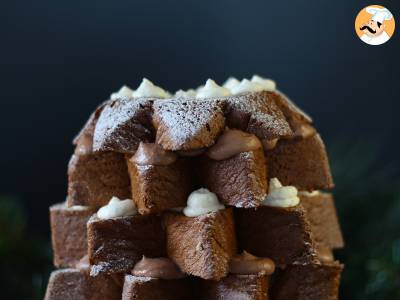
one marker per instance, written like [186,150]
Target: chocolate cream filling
[325,255]
[233,142]
[153,154]
[247,264]
[83,264]
[162,268]
[300,131]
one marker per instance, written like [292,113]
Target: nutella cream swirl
[247,264]
[85,145]
[83,264]
[153,154]
[269,144]
[233,142]
[325,255]
[304,131]
[162,268]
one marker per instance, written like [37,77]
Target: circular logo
[375,25]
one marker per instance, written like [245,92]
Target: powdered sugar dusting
[142,279]
[186,125]
[122,124]
[98,269]
[266,119]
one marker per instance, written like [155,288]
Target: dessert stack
[219,192]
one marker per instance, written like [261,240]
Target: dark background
[59,59]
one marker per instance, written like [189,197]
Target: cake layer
[321,213]
[254,287]
[308,282]
[257,113]
[94,178]
[68,234]
[123,124]
[148,288]
[301,162]
[234,168]
[238,181]
[156,188]
[201,246]
[294,115]
[73,284]
[282,234]
[188,125]
[116,245]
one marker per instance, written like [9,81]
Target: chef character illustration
[374,30]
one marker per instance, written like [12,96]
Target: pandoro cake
[219,192]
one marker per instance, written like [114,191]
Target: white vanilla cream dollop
[281,196]
[148,89]
[310,194]
[201,202]
[267,84]
[124,91]
[199,88]
[230,83]
[191,93]
[212,89]
[78,207]
[117,208]
[246,86]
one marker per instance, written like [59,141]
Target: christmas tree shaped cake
[214,193]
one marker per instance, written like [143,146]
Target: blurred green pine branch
[368,202]
[25,260]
